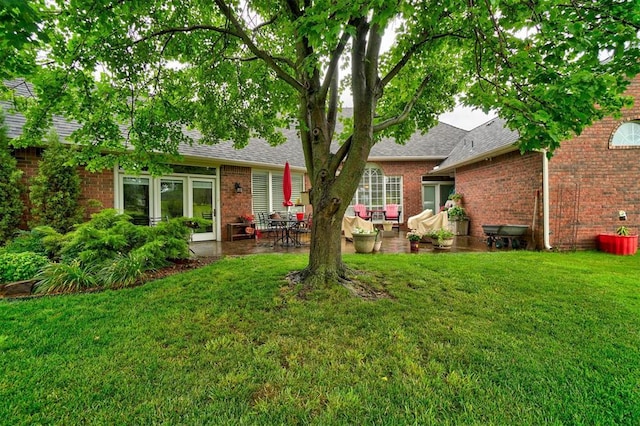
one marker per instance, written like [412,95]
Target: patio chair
[392,214]
[266,227]
[361,211]
[303,230]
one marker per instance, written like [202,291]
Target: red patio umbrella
[286,186]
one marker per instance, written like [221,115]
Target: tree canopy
[238,69]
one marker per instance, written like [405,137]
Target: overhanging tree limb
[407,108]
[268,59]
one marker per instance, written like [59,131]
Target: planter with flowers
[456,199]
[620,243]
[458,220]
[247,218]
[414,240]
[442,239]
[364,240]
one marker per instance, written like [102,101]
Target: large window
[136,199]
[376,190]
[266,188]
[627,134]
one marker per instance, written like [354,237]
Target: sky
[465,118]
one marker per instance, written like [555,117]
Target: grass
[473,338]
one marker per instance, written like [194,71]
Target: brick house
[590,178]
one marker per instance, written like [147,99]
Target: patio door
[434,195]
[202,202]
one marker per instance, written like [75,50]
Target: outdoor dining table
[286,234]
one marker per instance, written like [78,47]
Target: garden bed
[24,288]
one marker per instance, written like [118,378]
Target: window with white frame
[266,189]
[376,190]
[626,135]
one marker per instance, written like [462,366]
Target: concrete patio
[392,242]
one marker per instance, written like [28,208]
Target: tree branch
[336,54]
[411,52]
[407,108]
[192,28]
[268,60]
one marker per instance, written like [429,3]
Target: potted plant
[387,226]
[414,240]
[247,218]
[620,243]
[364,240]
[458,220]
[442,238]
[456,198]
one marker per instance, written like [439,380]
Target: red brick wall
[591,182]
[95,186]
[588,184]
[503,190]
[232,204]
[411,172]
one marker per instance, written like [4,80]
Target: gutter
[545,199]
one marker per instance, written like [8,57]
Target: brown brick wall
[411,172]
[232,204]
[591,182]
[502,190]
[95,186]
[588,183]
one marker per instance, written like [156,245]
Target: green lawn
[473,338]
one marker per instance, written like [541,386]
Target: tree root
[306,283]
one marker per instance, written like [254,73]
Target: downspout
[545,199]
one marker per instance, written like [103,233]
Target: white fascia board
[476,158]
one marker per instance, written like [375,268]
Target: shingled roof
[443,142]
[489,139]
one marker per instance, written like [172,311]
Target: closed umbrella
[286,186]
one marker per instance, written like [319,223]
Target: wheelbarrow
[504,235]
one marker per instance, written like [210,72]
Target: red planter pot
[622,245]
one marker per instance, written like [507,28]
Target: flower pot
[444,244]
[459,227]
[622,245]
[377,245]
[414,246]
[363,243]
[388,227]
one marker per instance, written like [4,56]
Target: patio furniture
[361,211]
[426,222]
[349,223]
[392,214]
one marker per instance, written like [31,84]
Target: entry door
[202,206]
[435,195]
[429,198]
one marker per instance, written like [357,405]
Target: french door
[202,204]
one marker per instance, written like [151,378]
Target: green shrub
[20,266]
[55,191]
[65,278]
[124,270]
[38,240]
[11,205]
[106,235]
